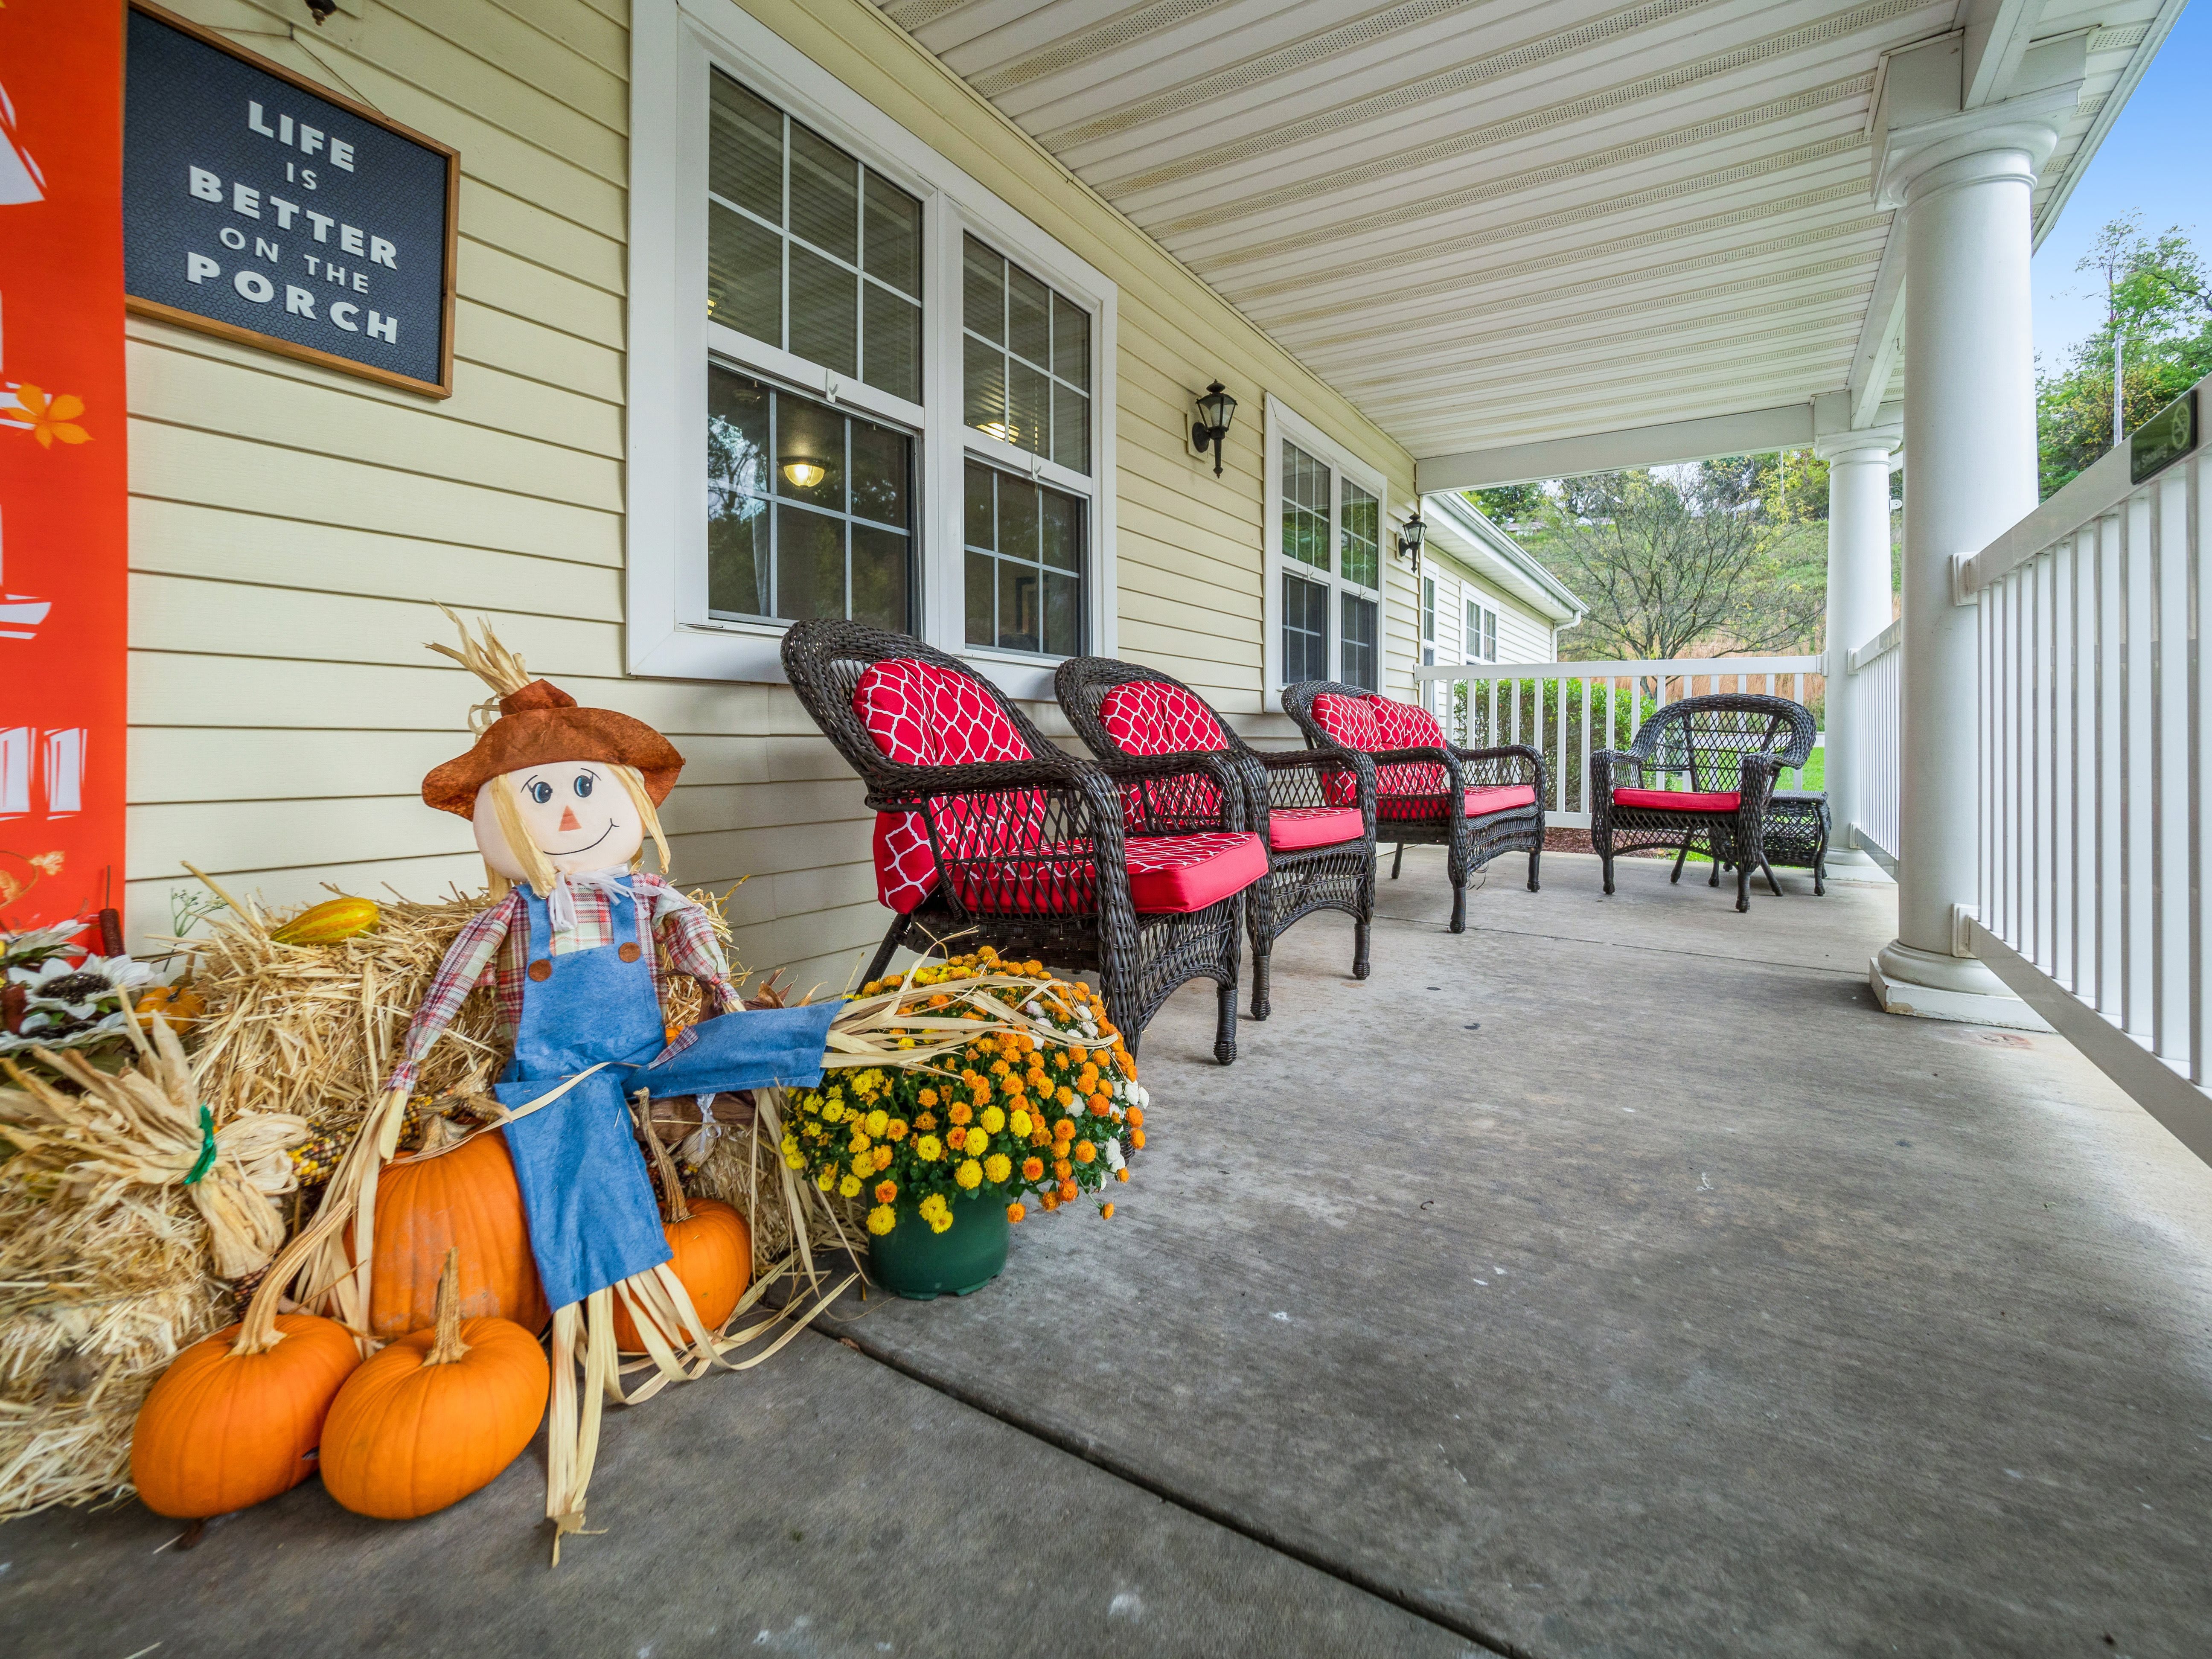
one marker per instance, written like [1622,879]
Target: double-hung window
[1325,545]
[1480,643]
[861,385]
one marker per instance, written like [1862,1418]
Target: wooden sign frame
[443,386]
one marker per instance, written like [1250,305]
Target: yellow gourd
[327,923]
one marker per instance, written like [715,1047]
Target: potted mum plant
[942,1156]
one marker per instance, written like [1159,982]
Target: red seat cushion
[1168,875]
[923,714]
[1292,828]
[1176,874]
[1679,800]
[1146,717]
[1503,799]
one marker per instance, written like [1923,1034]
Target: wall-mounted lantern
[1411,535]
[1215,410]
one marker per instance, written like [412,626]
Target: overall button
[541,971]
[628,953]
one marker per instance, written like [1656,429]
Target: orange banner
[63,526]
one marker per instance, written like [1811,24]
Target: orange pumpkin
[436,1415]
[714,1256]
[425,1206]
[237,1417]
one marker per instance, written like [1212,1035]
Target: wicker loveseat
[1477,802]
[1699,773]
[1317,805]
[987,834]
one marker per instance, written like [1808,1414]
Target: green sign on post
[2164,438]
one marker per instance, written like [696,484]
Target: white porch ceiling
[1498,223]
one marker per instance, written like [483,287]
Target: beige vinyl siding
[292,529]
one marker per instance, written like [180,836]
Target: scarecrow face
[577,811]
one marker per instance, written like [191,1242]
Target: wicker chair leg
[1679,859]
[1459,906]
[1771,881]
[1359,930]
[1224,1029]
[1820,869]
[1260,1006]
[1536,852]
[884,952]
[1742,884]
[1399,858]
[1606,859]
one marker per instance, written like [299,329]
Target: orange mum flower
[1136,1137]
[955,1138]
[1078,1053]
[1032,1168]
[1062,1168]
[1136,1117]
[1064,1130]
[959,1112]
[1084,1151]
[1106,1211]
[1068,1192]
[1015,1213]
[1100,1105]
[886,1191]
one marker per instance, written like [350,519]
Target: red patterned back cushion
[1146,717]
[924,716]
[1373,725]
[1350,720]
[1407,724]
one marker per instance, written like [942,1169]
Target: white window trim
[668,632]
[1285,422]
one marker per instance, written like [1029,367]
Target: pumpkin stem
[664,1165]
[448,1347]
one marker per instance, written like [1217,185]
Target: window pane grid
[1026,359]
[1360,521]
[1305,508]
[809,511]
[808,249]
[1360,619]
[1025,564]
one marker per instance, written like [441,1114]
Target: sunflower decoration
[1043,1104]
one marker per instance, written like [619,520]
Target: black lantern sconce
[1411,535]
[1215,410]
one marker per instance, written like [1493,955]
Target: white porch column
[1858,609]
[1961,181]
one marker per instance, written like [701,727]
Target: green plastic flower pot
[922,1266]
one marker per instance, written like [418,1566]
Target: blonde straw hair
[633,781]
[527,854]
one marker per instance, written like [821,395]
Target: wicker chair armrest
[1216,767]
[904,788]
[1299,777]
[1509,764]
[1755,785]
[1614,769]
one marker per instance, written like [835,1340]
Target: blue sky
[2150,162]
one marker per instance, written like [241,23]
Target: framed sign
[264,208]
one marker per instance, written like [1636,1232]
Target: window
[1326,534]
[1024,557]
[807,249]
[1481,643]
[1025,371]
[809,511]
[814,368]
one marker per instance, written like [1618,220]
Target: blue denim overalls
[592,1218]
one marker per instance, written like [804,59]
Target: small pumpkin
[329,922]
[711,1252]
[237,1417]
[178,1005]
[427,1205]
[437,1415]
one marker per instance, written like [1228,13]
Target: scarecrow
[563,800]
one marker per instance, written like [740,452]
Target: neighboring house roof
[1457,527]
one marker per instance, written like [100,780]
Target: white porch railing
[1566,710]
[1875,668]
[2094,731]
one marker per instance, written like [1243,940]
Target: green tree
[1690,560]
[2158,304]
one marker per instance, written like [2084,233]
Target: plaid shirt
[495,947]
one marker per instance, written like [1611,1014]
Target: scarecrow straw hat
[537,724]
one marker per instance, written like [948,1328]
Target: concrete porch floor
[1612,1279]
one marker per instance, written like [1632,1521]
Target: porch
[1614,1278]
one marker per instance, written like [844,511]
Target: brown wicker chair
[1321,851]
[985,834]
[1700,773]
[1477,802]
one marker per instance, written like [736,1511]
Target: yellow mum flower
[1019,1122]
[860,1142]
[997,1167]
[928,1150]
[993,1120]
[832,1110]
[826,1179]
[793,1161]
[849,1188]
[970,1175]
[927,1097]
[940,1223]
[864,1166]
[882,1220]
[879,1122]
[895,1130]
